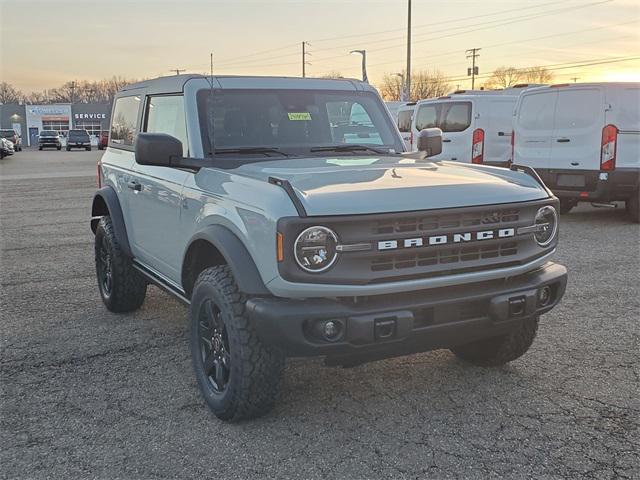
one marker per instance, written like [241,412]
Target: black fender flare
[109,197]
[236,256]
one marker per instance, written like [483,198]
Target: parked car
[49,138]
[287,239]
[404,120]
[583,139]
[477,124]
[13,137]
[6,147]
[78,138]
[103,140]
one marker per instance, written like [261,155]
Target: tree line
[100,91]
[424,84]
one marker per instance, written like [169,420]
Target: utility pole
[575,79]
[304,58]
[408,72]
[211,70]
[473,71]
[177,70]
[72,87]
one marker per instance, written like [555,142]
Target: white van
[476,124]
[583,139]
[404,119]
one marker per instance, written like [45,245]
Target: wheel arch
[105,202]
[217,245]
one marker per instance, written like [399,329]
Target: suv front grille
[444,256]
[430,223]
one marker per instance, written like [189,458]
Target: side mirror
[430,141]
[157,149]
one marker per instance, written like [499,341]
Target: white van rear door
[578,124]
[454,118]
[625,114]
[498,123]
[534,129]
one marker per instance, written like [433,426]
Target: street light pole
[364,64]
[408,72]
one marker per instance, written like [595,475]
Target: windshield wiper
[250,150]
[349,147]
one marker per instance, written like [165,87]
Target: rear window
[48,133]
[536,111]
[404,120]
[6,133]
[448,116]
[629,117]
[125,119]
[78,132]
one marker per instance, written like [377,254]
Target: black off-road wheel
[566,205]
[68,149]
[632,205]
[496,351]
[59,148]
[238,375]
[40,148]
[122,287]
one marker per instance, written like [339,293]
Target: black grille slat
[443,222]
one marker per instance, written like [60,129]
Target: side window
[125,118]
[165,114]
[427,117]
[457,117]
[536,111]
[404,120]
[578,108]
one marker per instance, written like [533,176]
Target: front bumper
[418,321]
[618,184]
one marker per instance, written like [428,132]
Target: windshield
[78,133]
[296,121]
[6,133]
[48,133]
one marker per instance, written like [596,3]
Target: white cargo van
[583,139]
[404,120]
[477,124]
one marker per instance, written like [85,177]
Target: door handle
[134,186]
[563,140]
[446,140]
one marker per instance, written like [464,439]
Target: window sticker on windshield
[299,116]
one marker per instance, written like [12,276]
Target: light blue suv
[285,213]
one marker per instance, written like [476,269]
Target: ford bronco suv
[285,213]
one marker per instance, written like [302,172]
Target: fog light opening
[544,296]
[329,330]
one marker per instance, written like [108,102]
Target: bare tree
[424,84]
[503,77]
[9,94]
[332,74]
[537,75]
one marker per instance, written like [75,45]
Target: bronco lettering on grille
[445,239]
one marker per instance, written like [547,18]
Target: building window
[93,127]
[60,126]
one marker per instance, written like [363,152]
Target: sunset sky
[45,43]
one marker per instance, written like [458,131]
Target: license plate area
[570,180]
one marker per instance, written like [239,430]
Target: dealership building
[29,120]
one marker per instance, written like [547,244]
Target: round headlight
[547,223]
[315,249]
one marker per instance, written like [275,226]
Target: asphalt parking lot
[90,394]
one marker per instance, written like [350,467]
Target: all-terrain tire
[125,289]
[59,148]
[252,369]
[68,149]
[39,148]
[632,206]
[496,351]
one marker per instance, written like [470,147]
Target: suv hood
[360,185]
